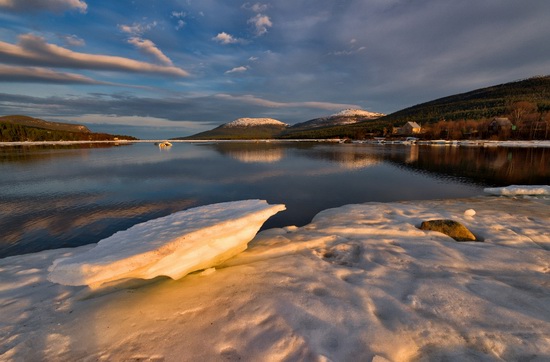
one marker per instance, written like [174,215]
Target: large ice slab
[514,190]
[172,246]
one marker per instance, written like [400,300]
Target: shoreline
[435,143]
[360,281]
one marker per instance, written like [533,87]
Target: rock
[451,228]
[469,212]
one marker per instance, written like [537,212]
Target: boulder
[451,228]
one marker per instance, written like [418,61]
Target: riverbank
[360,282]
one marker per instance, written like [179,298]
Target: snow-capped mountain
[245,128]
[347,116]
[357,113]
[254,122]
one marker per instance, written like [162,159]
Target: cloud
[250,99]
[35,51]
[72,40]
[257,7]
[180,24]
[149,48]
[47,5]
[10,73]
[178,14]
[261,23]
[136,28]
[240,69]
[350,51]
[224,38]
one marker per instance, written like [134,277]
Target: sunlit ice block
[173,246]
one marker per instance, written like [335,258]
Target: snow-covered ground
[359,283]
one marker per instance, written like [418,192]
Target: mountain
[481,103]
[40,123]
[478,105]
[243,128]
[19,128]
[347,116]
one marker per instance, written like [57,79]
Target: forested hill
[23,128]
[478,104]
[40,123]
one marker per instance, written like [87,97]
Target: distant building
[409,128]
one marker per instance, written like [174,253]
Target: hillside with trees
[525,103]
[23,128]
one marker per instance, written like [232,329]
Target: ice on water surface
[172,246]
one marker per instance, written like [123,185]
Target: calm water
[68,196]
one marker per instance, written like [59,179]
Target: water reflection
[497,166]
[38,153]
[253,153]
[51,198]
[347,156]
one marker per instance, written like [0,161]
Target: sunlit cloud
[261,23]
[9,73]
[225,38]
[240,69]
[48,5]
[34,50]
[149,48]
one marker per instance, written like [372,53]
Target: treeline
[478,104]
[10,132]
[527,121]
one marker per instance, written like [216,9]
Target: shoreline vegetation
[465,143]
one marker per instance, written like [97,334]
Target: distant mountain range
[17,128]
[479,104]
[262,128]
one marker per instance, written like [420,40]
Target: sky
[158,69]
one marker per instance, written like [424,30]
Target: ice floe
[172,246]
[359,283]
[515,190]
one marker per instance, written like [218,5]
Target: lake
[65,196]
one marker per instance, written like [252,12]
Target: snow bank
[515,190]
[171,246]
[359,283]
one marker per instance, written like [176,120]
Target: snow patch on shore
[518,190]
[360,282]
